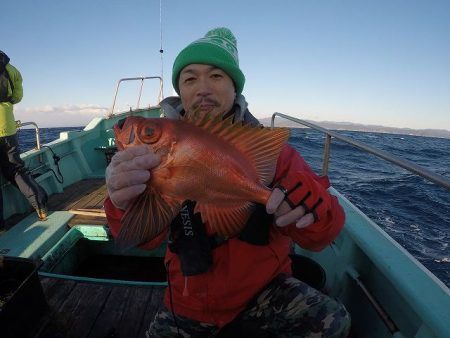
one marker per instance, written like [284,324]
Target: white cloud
[60,116]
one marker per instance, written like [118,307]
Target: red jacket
[240,270]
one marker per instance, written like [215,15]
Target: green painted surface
[32,238]
[416,301]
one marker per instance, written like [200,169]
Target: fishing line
[56,159]
[171,300]
[161,50]
[27,165]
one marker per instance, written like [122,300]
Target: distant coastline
[440,133]
[350,126]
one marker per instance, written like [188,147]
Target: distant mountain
[442,133]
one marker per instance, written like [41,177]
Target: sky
[384,62]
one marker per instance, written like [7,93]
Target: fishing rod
[161,50]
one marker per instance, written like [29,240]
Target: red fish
[224,167]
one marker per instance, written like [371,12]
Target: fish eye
[150,133]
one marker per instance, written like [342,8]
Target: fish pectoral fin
[146,218]
[227,221]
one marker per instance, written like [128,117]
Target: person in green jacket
[11,165]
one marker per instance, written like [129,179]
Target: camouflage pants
[287,307]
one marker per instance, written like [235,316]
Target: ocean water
[414,212]
[27,137]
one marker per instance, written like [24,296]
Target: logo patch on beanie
[222,43]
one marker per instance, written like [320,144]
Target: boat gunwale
[387,255]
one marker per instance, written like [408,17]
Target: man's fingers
[306,220]
[136,157]
[291,217]
[128,173]
[133,177]
[130,153]
[275,199]
[283,209]
[145,161]
[121,198]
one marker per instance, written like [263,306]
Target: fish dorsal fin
[225,221]
[261,145]
[146,218]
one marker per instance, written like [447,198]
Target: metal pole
[392,327]
[326,155]
[142,78]
[38,139]
[140,93]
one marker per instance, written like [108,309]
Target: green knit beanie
[217,48]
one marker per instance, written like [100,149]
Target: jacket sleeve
[327,227]
[16,78]
[114,216]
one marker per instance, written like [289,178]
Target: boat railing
[408,165]
[20,124]
[142,79]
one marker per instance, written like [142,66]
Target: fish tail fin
[261,145]
[226,221]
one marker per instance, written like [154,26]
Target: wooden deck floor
[82,194]
[86,194]
[82,309]
[79,309]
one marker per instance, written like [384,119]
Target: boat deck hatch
[89,253]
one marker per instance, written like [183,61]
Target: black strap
[4,60]
[216,241]
[257,229]
[189,241]
[4,80]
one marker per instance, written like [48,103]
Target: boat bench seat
[32,238]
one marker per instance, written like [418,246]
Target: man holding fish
[230,197]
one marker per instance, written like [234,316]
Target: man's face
[207,88]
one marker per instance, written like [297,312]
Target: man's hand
[128,173]
[298,199]
[284,214]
